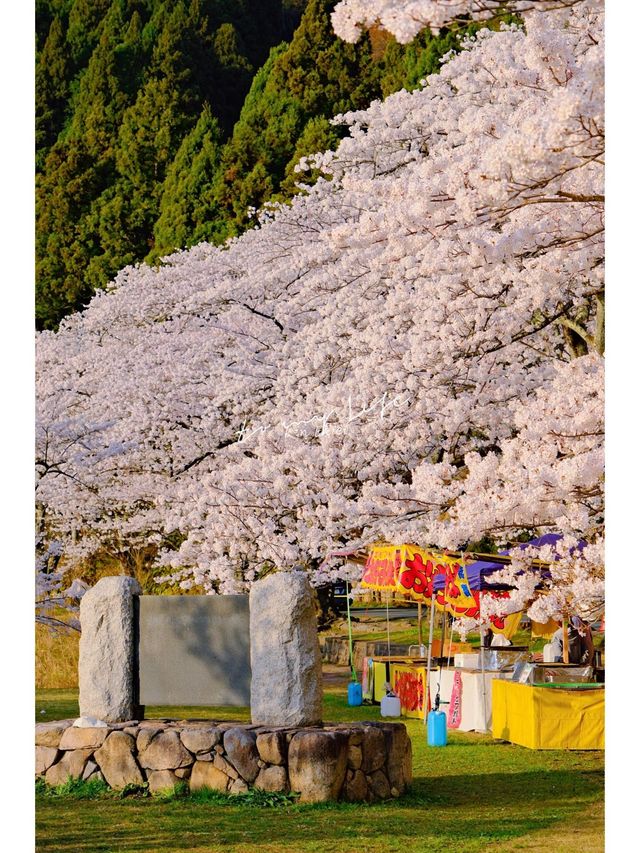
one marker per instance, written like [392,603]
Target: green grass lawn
[476,794]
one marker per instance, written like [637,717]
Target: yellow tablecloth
[548,717]
[379,679]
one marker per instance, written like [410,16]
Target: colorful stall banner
[455,703]
[412,571]
[456,594]
[409,684]
[419,574]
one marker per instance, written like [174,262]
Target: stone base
[346,761]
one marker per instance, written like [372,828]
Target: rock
[238,787]
[272,779]
[183,772]
[83,738]
[145,736]
[89,723]
[71,764]
[228,769]
[131,730]
[272,747]
[165,752]
[407,766]
[379,785]
[219,748]
[396,745]
[355,739]
[106,672]
[161,780]
[374,751]
[354,757]
[90,768]
[49,734]
[45,757]
[205,775]
[123,727]
[286,668]
[356,789]
[317,765]
[116,761]
[200,740]
[96,776]
[395,792]
[240,746]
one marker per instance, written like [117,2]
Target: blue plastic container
[354,694]
[436,728]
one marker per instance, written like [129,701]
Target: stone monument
[286,667]
[106,668]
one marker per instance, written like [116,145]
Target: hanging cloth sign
[455,703]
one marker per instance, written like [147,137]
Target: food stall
[496,689]
[466,688]
[549,715]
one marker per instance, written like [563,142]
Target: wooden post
[565,641]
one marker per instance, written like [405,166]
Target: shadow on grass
[462,813]
[518,789]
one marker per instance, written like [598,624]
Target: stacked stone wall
[352,761]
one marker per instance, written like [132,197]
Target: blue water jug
[354,693]
[437,726]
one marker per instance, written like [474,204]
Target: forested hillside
[159,125]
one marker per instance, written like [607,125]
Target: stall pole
[426,703]
[444,636]
[450,646]
[388,630]
[565,641]
[484,686]
[420,625]
[354,677]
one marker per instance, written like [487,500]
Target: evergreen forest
[160,125]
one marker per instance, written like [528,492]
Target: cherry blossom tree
[411,350]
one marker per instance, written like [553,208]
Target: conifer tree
[188,212]
[86,18]
[317,75]
[165,109]
[233,73]
[52,89]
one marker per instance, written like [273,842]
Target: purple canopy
[479,573]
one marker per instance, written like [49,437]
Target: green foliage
[233,73]
[52,89]
[315,77]
[77,789]
[188,210]
[154,131]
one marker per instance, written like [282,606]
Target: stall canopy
[421,575]
[480,572]
[455,584]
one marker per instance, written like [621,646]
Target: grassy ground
[474,795]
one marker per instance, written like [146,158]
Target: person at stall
[581,648]
[586,649]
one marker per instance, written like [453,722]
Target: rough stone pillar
[107,650]
[286,668]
